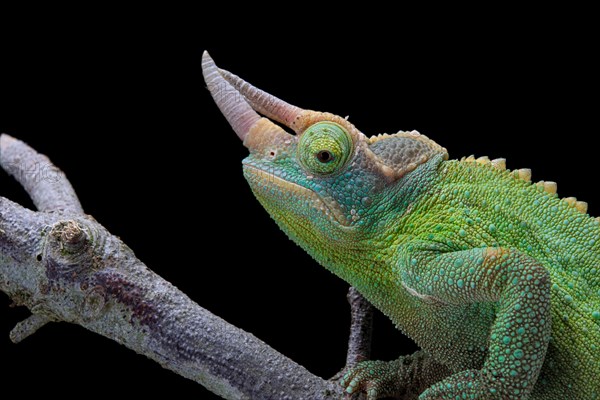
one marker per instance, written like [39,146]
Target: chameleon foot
[376,378]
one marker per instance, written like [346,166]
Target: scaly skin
[497,279]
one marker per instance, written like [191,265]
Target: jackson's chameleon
[496,278]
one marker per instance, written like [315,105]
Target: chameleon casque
[497,279]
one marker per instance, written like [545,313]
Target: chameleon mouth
[270,185]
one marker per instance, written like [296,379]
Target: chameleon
[495,277]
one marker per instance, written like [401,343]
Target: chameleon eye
[324,148]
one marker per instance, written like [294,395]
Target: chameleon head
[326,180]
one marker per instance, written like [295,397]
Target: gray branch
[361,328]
[64,266]
[361,333]
[47,185]
[28,327]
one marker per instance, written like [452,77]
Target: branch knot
[71,235]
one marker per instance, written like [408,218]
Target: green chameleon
[495,278]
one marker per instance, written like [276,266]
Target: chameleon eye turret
[324,148]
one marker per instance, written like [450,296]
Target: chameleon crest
[496,278]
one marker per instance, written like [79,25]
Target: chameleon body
[497,279]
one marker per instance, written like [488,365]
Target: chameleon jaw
[268,185]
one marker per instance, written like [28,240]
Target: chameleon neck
[364,256]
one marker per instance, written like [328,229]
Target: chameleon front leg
[519,336]
[403,378]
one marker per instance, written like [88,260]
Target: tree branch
[28,327]
[47,185]
[361,328]
[64,266]
[361,332]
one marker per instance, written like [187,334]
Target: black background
[117,104]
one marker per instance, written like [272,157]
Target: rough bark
[64,266]
[361,328]
[47,185]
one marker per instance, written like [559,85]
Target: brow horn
[234,107]
[261,101]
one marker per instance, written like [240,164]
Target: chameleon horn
[234,106]
[261,101]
